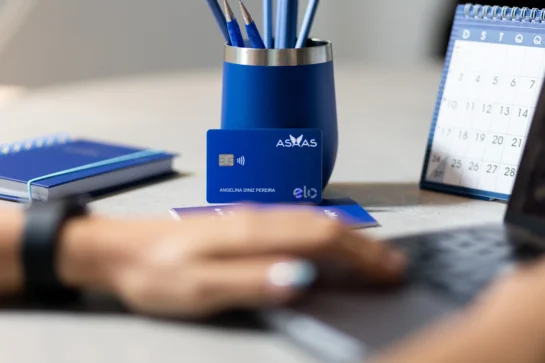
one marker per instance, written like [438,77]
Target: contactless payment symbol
[241,160]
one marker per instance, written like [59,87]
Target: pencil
[251,28]
[282,11]
[292,22]
[232,27]
[267,23]
[220,19]
[307,23]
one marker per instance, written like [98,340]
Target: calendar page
[493,77]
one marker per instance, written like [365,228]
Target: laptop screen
[527,202]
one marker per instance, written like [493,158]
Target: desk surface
[384,118]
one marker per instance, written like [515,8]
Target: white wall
[71,40]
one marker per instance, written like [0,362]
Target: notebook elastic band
[120,159]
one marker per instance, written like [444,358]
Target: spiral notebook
[492,80]
[56,166]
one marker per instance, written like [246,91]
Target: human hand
[505,324]
[199,267]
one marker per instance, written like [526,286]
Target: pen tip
[245,13]
[228,12]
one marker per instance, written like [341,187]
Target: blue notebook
[345,210]
[491,83]
[93,166]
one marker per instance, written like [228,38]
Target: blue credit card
[264,166]
[345,210]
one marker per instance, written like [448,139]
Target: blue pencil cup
[283,88]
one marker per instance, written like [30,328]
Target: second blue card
[264,166]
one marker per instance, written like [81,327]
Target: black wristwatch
[43,225]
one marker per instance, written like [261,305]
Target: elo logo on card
[305,193]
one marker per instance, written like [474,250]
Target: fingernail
[294,274]
[395,260]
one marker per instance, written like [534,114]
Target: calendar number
[445,132]
[470,106]
[505,110]
[461,78]
[517,142]
[523,112]
[478,79]
[435,158]
[462,135]
[495,81]
[514,82]
[438,174]
[473,166]
[456,164]
[491,169]
[452,104]
[480,137]
[532,83]
[487,108]
[497,140]
[510,172]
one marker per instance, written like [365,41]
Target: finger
[252,231]
[377,260]
[252,282]
[302,233]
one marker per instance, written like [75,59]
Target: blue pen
[307,23]
[220,19]
[282,11]
[267,23]
[232,26]
[251,28]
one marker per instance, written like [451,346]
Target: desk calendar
[493,76]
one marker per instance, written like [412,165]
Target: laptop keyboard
[460,262]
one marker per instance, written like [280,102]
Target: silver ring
[467,9]
[485,11]
[533,14]
[514,13]
[495,9]
[542,14]
[476,9]
[504,12]
[523,14]
[321,52]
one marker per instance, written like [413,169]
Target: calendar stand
[493,76]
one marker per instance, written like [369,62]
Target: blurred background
[62,41]
[47,42]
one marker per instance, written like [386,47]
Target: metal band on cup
[318,52]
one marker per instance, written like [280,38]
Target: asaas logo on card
[297,142]
[305,193]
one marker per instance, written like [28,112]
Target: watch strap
[44,223]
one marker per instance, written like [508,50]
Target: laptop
[448,270]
